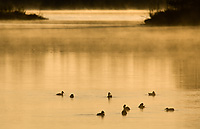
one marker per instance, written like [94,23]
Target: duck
[61,94]
[124,112]
[109,95]
[71,96]
[152,94]
[141,106]
[102,113]
[126,108]
[169,109]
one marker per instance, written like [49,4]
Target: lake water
[90,53]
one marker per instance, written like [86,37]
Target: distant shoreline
[19,15]
[177,13]
[173,18]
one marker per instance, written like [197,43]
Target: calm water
[89,53]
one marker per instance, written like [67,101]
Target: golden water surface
[90,58]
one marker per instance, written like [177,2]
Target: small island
[178,12]
[9,13]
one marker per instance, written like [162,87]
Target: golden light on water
[91,58]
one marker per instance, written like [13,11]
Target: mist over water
[90,57]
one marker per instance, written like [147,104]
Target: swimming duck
[71,96]
[102,113]
[61,94]
[169,109]
[141,106]
[124,112]
[109,95]
[126,108]
[152,94]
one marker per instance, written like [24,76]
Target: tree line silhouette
[177,12]
[79,4]
[168,12]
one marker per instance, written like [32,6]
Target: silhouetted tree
[82,4]
[181,12]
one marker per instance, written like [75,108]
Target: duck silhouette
[60,94]
[169,109]
[126,108]
[124,112]
[71,96]
[141,106]
[109,95]
[152,94]
[102,113]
